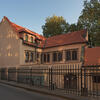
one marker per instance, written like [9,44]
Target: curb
[40,91]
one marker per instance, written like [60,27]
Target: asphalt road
[12,93]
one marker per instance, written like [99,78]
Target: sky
[32,13]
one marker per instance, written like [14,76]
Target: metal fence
[70,79]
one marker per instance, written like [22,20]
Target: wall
[9,45]
[24,47]
[64,48]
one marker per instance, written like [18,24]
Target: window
[41,58]
[26,37]
[26,56]
[54,56]
[68,55]
[37,55]
[44,57]
[31,39]
[59,56]
[31,57]
[96,79]
[74,55]
[71,54]
[48,57]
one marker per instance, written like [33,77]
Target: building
[91,67]
[22,47]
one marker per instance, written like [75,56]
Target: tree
[75,27]
[55,25]
[90,19]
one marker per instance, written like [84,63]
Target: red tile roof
[92,56]
[58,40]
[20,28]
[65,39]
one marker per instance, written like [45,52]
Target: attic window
[31,39]
[26,37]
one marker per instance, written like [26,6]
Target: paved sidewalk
[46,91]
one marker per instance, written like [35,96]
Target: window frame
[26,37]
[60,56]
[74,55]
[48,57]
[68,56]
[26,56]
[31,39]
[54,56]
[71,54]
[45,57]
[96,79]
[31,56]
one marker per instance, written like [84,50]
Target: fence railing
[71,79]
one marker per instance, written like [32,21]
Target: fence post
[16,74]
[7,72]
[50,79]
[81,83]
[31,83]
[0,73]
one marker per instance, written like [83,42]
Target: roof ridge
[22,27]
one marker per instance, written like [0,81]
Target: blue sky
[32,13]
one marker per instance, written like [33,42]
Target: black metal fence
[70,79]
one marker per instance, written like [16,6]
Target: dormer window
[31,39]
[26,37]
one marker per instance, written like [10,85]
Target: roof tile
[65,39]
[20,28]
[92,56]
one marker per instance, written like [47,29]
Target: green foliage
[90,19]
[55,25]
[75,27]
